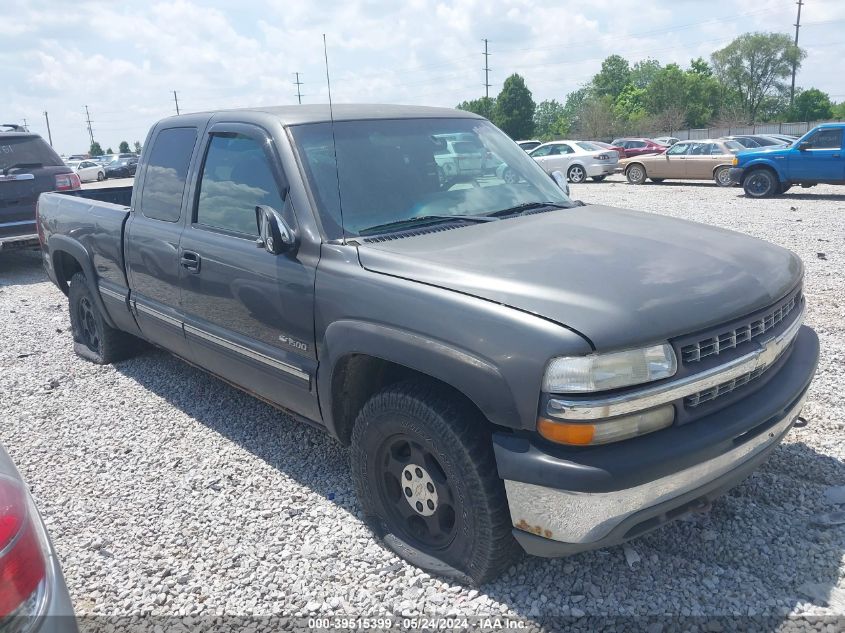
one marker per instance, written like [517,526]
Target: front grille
[701,397]
[731,339]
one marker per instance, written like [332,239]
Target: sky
[124,60]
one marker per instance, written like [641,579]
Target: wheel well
[358,377]
[759,167]
[65,266]
[718,167]
[629,165]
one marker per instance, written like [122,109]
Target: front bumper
[565,500]
[735,174]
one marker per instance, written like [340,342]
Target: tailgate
[18,194]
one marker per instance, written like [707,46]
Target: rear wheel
[576,174]
[93,338]
[635,174]
[423,466]
[760,183]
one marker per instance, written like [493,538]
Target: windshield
[397,169]
[590,147]
[30,151]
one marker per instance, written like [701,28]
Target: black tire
[760,183]
[722,176]
[599,178]
[636,174]
[657,180]
[576,174]
[466,533]
[784,188]
[93,338]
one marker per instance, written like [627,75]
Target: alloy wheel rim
[636,174]
[88,324]
[758,184]
[576,174]
[417,493]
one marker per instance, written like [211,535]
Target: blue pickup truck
[817,157]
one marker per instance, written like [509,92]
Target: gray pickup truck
[511,369]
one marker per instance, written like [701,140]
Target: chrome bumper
[583,518]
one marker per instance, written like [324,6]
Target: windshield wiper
[526,206]
[424,219]
[6,170]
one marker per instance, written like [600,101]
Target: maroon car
[616,148]
[639,146]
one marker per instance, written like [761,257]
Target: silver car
[578,160]
[33,595]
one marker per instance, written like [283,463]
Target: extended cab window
[826,139]
[236,177]
[167,170]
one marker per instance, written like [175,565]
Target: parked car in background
[817,157]
[80,157]
[87,170]
[105,159]
[708,159]
[33,594]
[620,151]
[577,160]
[28,167]
[639,146]
[459,159]
[122,168]
[668,141]
[751,141]
[529,145]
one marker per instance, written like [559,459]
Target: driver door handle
[190,261]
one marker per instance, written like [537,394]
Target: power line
[800,3]
[176,101]
[298,92]
[90,131]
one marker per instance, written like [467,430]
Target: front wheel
[576,174]
[425,474]
[722,176]
[635,174]
[760,183]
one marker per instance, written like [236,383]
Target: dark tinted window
[635,144]
[167,169]
[32,151]
[236,177]
[826,139]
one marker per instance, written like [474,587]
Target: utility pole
[486,80]
[800,3]
[298,92]
[90,131]
[49,134]
[176,100]
[25,126]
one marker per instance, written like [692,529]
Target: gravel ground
[169,492]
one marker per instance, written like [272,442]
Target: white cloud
[124,60]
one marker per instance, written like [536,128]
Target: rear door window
[826,139]
[166,173]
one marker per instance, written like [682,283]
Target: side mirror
[803,146]
[275,235]
[561,181]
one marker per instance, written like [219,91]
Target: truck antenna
[334,142]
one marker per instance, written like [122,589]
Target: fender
[65,244]
[777,166]
[475,377]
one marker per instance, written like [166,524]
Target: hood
[768,151]
[621,278]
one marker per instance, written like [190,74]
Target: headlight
[606,431]
[600,372]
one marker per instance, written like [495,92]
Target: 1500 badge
[292,342]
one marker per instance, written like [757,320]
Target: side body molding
[475,377]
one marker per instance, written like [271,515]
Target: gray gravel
[168,492]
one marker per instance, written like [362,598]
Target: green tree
[630,104]
[95,149]
[110,151]
[515,108]
[550,120]
[812,105]
[839,111]
[614,75]
[596,119]
[484,106]
[137,147]
[123,148]
[643,72]
[573,106]
[702,97]
[666,90]
[755,67]
[699,66]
